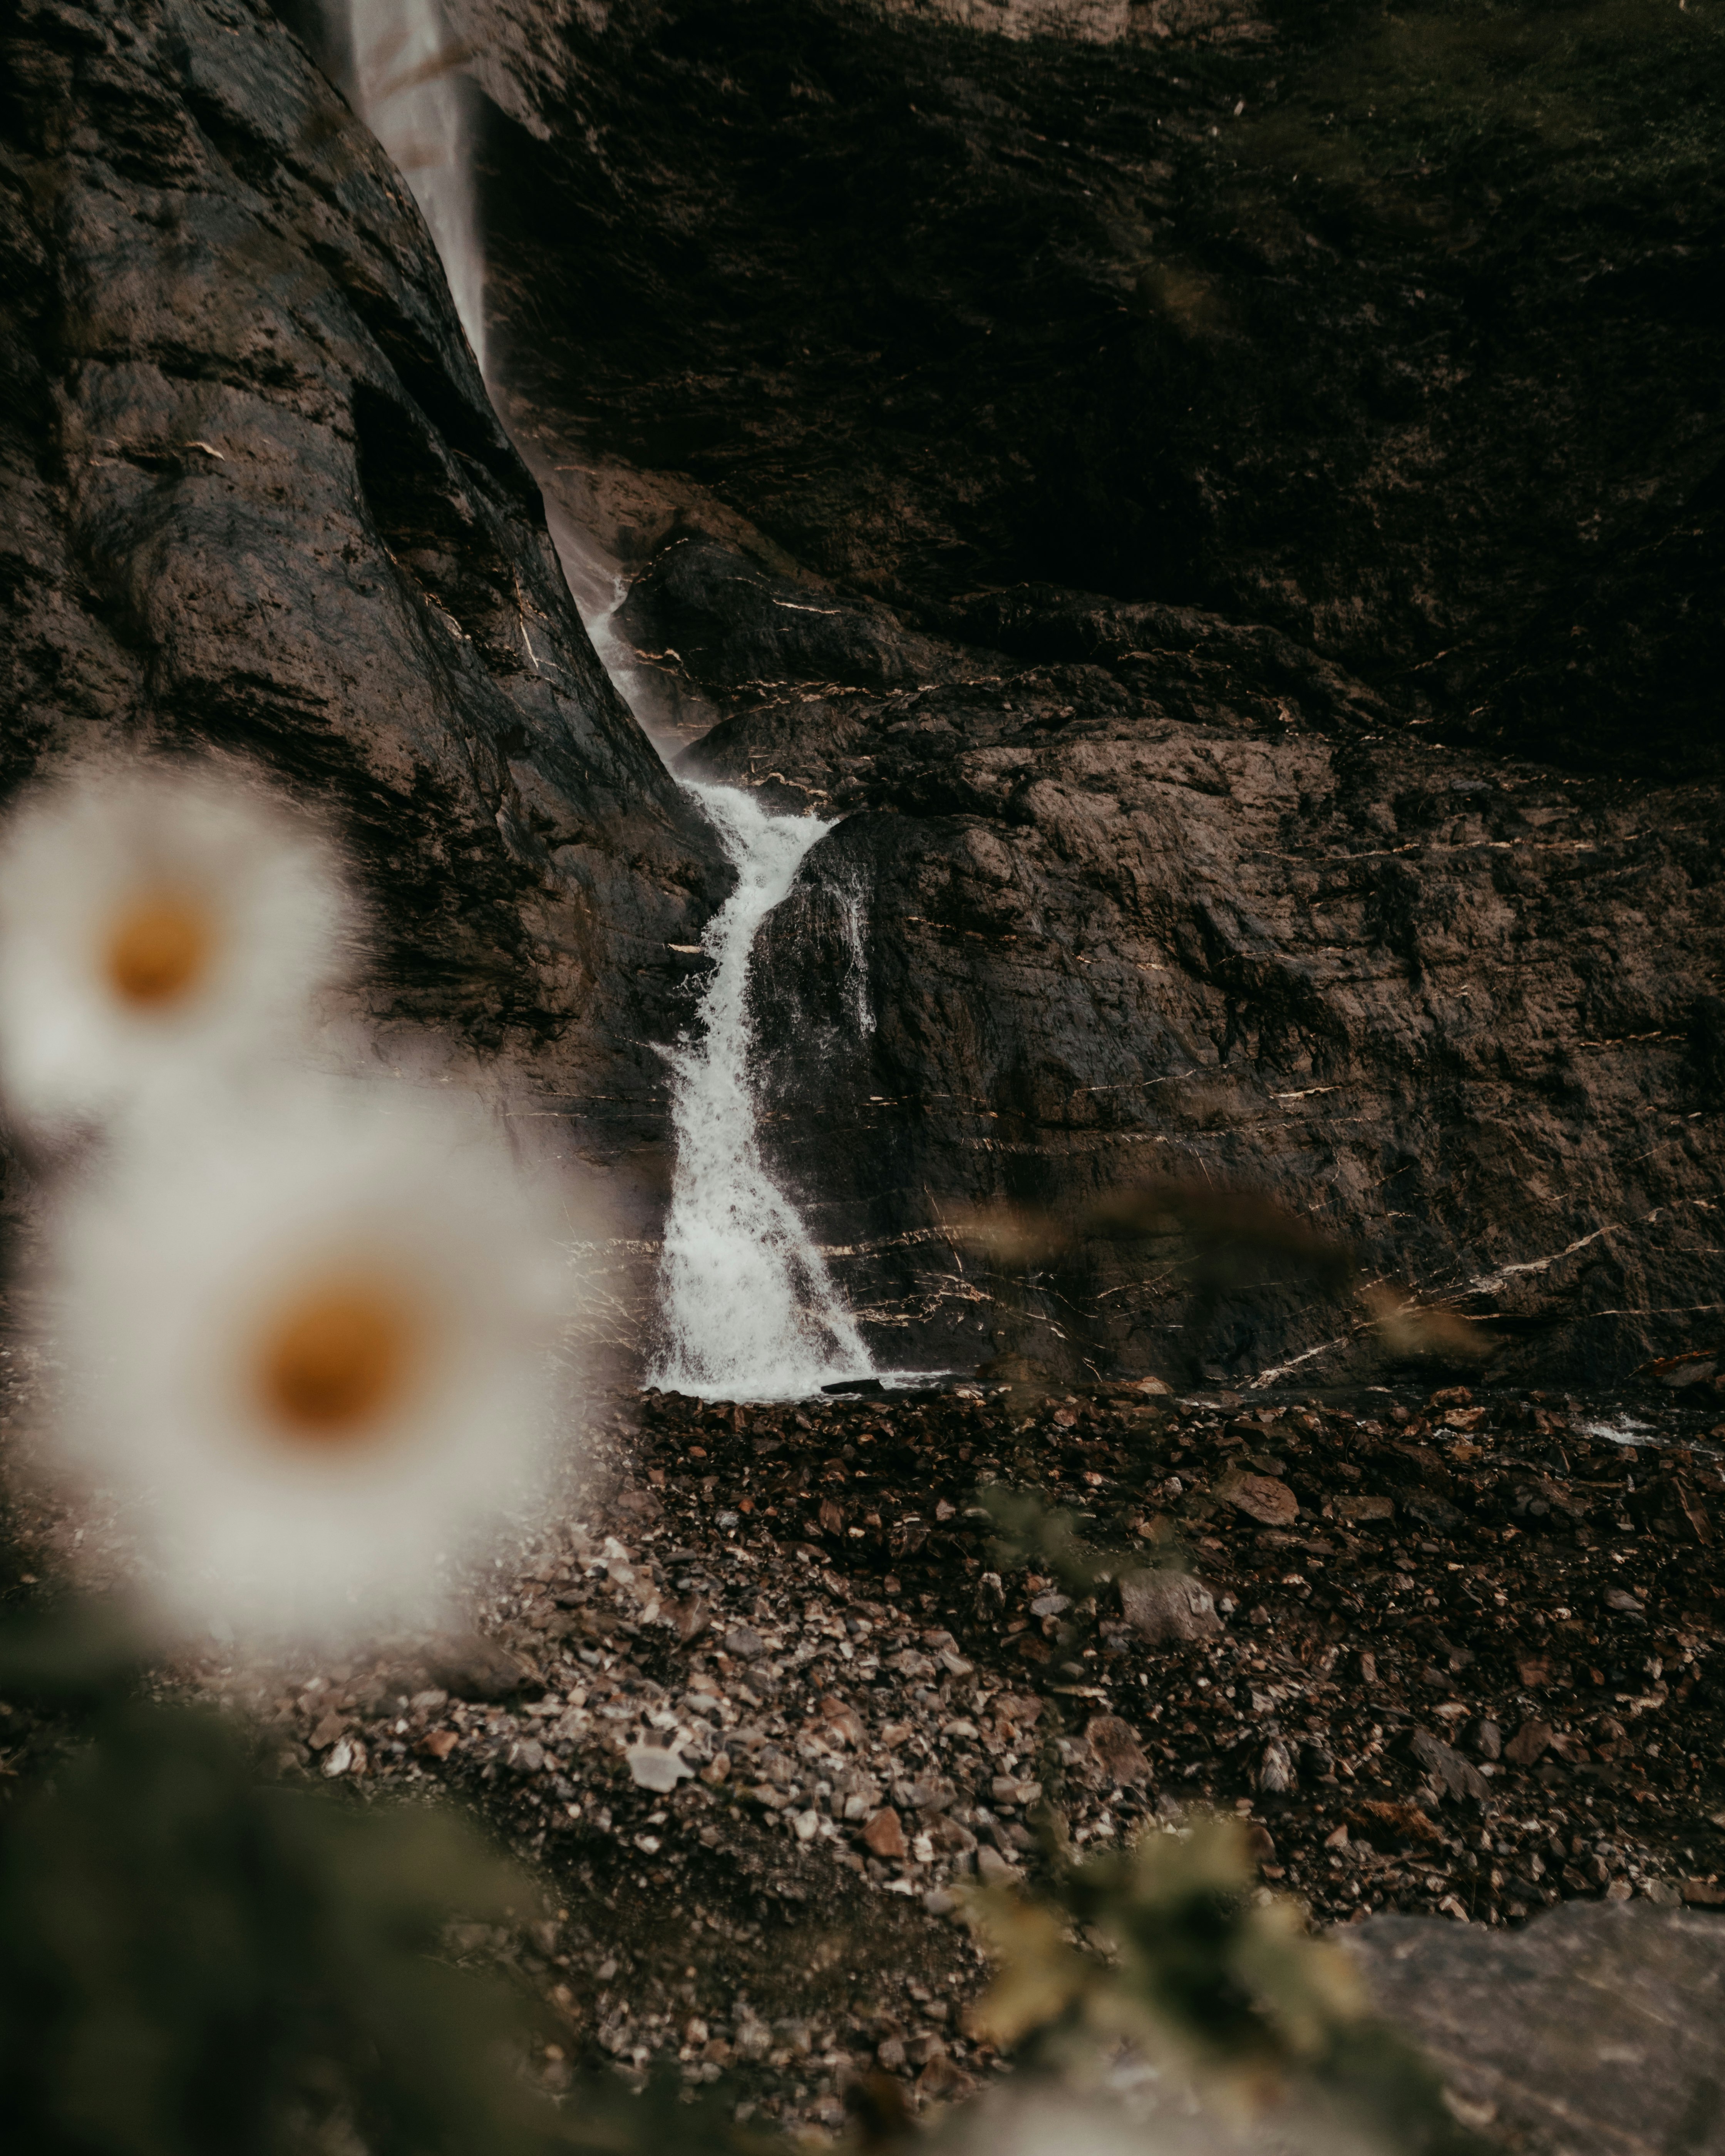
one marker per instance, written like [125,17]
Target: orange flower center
[159,949]
[335,1361]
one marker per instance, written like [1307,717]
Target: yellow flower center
[159,948]
[336,1360]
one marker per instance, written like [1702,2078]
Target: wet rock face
[1175,901]
[1208,408]
[256,500]
[1301,316]
[1145,488]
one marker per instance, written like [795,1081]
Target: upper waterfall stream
[410,96]
[751,1310]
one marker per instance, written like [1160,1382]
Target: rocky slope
[257,503]
[760,1716]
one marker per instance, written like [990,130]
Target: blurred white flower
[1137,2112]
[312,1350]
[155,927]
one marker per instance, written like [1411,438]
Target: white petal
[75,856]
[171,1263]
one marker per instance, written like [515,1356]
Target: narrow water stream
[410,96]
[750,1309]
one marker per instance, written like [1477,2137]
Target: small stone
[481,1669]
[1260,1498]
[1529,1741]
[1162,1606]
[745,1643]
[1487,1739]
[948,1838]
[939,1902]
[941,2081]
[1446,1768]
[1362,1511]
[1275,1769]
[437,1743]
[327,1731]
[527,1756]
[1617,1599]
[992,1867]
[1116,1750]
[843,1722]
[655,1767]
[884,1835]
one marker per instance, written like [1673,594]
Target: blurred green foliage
[1030,1532]
[197,1958]
[1167,1946]
[193,1958]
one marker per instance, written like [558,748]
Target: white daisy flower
[311,1352]
[155,927]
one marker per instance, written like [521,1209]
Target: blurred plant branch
[1167,1947]
[1224,1240]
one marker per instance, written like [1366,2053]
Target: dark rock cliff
[256,499]
[1230,521]
[1224,506]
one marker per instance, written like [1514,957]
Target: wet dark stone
[256,501]
[1263,677]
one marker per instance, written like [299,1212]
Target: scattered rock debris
[759,1718]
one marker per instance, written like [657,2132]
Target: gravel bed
[759,1716]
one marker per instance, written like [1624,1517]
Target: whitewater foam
[751,1310]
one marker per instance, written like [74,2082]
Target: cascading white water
[751,1310]
[409,96]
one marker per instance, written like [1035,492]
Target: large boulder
[1594,2032]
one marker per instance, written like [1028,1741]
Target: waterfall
[750,1308]
[409,95]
